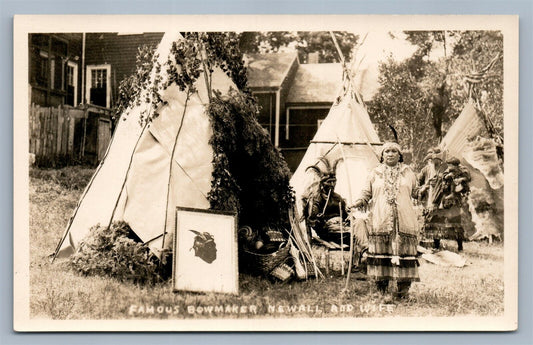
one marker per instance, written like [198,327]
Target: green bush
[116,252]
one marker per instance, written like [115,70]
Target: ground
[57,292]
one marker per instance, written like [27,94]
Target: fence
[66,131]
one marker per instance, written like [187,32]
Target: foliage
[400,103]
[223,49]
[304,42]
[423,95]
[426,41]
[467,52]
[189,58]
[250,175]
[473,51]
[117,253]
[131,89]
[58,161]
[70,178]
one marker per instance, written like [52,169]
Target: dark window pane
[59,47]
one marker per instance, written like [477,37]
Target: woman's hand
[358,204]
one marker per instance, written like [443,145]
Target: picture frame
[205,241]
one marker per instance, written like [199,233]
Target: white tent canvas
[346,133]
[487,176]
[132,182]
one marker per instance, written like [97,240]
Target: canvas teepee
[137,181]
[473,139]
[467,140]
[346,138]
[348,141]
[346,134]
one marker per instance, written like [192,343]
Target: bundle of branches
[250,175]
[117,252]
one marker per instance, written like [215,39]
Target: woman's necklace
[392,182]
[392,186]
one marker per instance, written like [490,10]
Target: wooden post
[31,124]
[44,125]
[71,129]
[59,130]
[53,131]
[82,146]
[37,130]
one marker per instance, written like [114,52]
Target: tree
[470,52]
[427,94]
[437,89]
[473,51]
[304,42]
[401,103]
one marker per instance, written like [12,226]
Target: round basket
[253,262]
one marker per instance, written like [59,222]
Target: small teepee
[346,142]
[346,139]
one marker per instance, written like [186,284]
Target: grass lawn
[57,292]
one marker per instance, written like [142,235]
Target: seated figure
[327,210]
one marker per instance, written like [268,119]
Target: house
[54,69]
[109,59]
[73,89]
[86,69]
[294,98]
[57,61]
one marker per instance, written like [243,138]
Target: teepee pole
[170,168]
[351,225]
[342,240]
[127,173]
[341,57]
[345,69]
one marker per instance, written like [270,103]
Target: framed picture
[205,251]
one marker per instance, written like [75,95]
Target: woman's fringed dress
[394,229]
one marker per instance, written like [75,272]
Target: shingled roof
[268,70]
[316,83]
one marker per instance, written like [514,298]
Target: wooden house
[294,98]
[85,71]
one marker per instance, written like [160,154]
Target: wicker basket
[282,273]
[259,263]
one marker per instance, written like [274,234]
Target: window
[267,112]
[41,63]
[72,83]
[48,61]
[98,85]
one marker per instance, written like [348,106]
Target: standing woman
[393,233]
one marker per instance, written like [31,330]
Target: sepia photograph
[266,173]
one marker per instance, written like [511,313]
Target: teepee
[150,169]
[346,139]
[348,142]
[467,140]
[473,140]
[346,135]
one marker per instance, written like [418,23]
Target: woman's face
[391,156]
